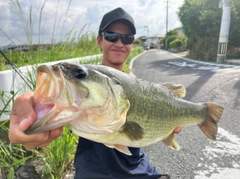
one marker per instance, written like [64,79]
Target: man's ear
[99,41]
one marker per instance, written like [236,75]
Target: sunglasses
[114,36]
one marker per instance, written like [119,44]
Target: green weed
[12,156]
[58,156]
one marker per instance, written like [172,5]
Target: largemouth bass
[108,106]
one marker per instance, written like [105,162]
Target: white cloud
[151,13]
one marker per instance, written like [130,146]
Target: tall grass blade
[24,78]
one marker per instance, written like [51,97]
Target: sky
[60,17]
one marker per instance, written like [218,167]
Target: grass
[75,43]
[12,156]
[6,98]
[57,158]
[55,52]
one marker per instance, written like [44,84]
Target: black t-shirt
[96,161]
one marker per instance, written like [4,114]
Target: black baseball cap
[117,15]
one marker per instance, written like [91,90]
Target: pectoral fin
[171,142]
[176,88]
[120,148]
[133,130]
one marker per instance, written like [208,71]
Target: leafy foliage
[175,44]
[6,98]
[234,37]
[201,21]
[174,40]
[12,156]
[58,156]
[2,64]
[84,46]
[171,36]
[137,42]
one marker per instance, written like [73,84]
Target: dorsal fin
[176,88]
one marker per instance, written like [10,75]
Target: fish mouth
[54,102]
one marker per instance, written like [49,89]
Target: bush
[137,42]
[175,44]
[184,40]
[2,64]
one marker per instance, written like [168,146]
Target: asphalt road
[199,157]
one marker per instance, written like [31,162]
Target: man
[92,159]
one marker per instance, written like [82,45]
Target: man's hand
[177,130]
[22,117]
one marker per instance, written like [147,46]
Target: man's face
[115,53]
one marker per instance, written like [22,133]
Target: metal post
[166,40]
[224,30]
[146,28]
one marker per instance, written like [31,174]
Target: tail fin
[209,126]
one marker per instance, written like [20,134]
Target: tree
[171,36]
[137,42]
[201,21]
[234,38]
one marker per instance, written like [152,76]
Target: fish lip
[49,81]
[52,87]
[53,76]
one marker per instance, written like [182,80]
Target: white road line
[183,64]
[202,68]
[206,63]
[226,145]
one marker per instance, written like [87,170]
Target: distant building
[180,30]
[151,39]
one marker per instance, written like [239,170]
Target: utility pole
[146,28]
[224,30]
[166,41]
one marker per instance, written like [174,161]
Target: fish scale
[116,109]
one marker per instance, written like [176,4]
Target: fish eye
[79,73]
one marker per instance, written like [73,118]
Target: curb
[131,63]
